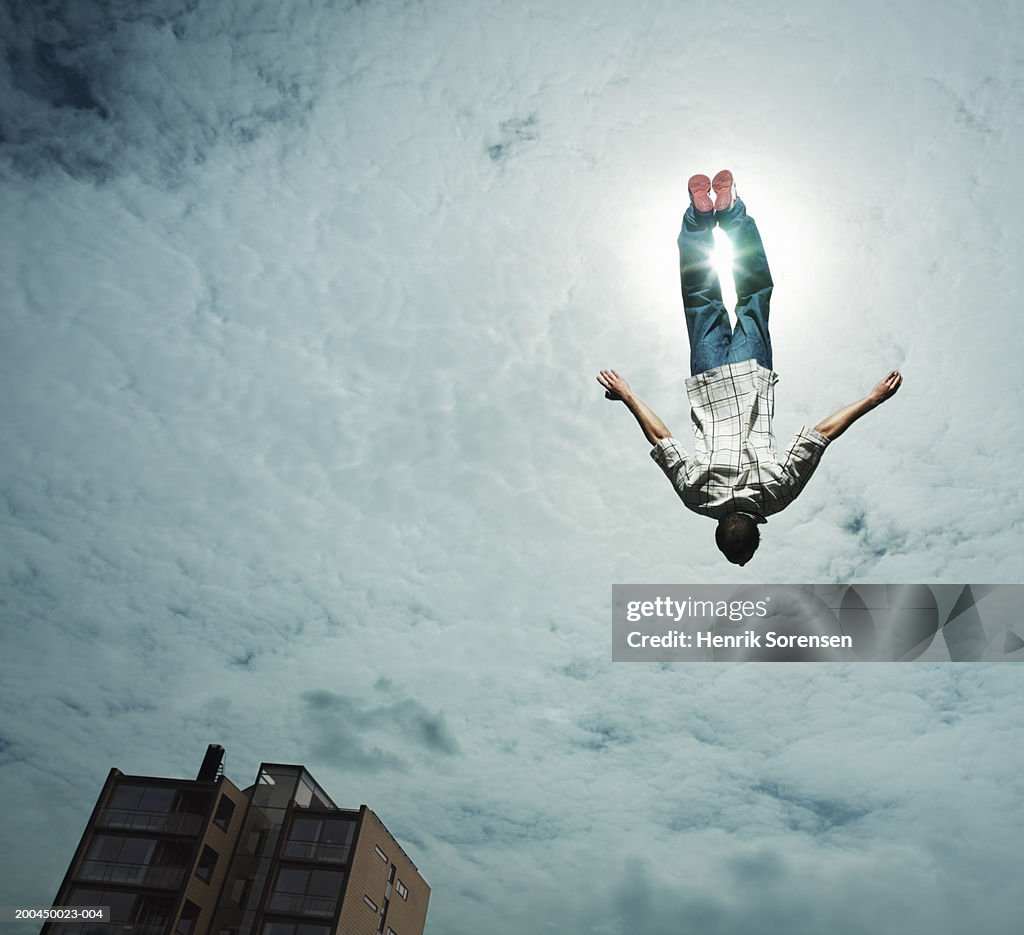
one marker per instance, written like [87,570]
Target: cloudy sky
[302,451]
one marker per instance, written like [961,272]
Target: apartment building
[204,857]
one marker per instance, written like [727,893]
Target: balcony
[319,906]
[109,928]
[169,822]
[318,851]
[139,928]
[105,871]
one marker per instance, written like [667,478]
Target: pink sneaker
[699,186]
[725,190]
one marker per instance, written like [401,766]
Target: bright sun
[651,220]
[722,260]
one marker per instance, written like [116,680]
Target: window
[369,902]
[308,892]
[122,905]
[381,854]
[153,913]
[290,880]
[137,850]
[208,860]
[240,889]
[85,928]
[305,829]
[276,789]
[278,928]
[403,890]
[325,839]
[106,847]
[144,798]
[154,808]
[225,811]
[187,921]
[337,831]
[325,883]
[292,928]
[116,859]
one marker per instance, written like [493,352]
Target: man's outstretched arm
[840,421]
[616,387]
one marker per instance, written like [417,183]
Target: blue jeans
[713,341]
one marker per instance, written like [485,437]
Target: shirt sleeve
[798,464]
[669,455]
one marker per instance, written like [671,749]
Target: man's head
[738,537]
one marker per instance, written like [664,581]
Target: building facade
[203,857]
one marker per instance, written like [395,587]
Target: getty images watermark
[817,623]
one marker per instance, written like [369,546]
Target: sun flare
[721,259]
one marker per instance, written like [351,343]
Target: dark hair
[737,536]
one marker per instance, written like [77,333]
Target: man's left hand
[615,386]
[886,387]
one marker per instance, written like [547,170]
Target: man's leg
[707,321]
[753,287]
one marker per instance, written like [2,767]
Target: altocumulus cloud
[302,452]
[96,89]
[339,723]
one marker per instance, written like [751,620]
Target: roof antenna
[213,764]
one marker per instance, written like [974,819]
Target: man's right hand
[615,387]
[840,421]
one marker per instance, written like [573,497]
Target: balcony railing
[171,822]
[317,850]
[323,907]
[109,928]
[141,928]
[106,871]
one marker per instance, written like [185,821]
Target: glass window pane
[81,896]
[192,803]
[157,800]
[305,829]
[292,881]
[121,905]
[337,832]
[187,921]
[278,928]
[238,889]
[126,797]
[275,789]
[325,883]
[225,809]
[207,863]
[137,850]
[303,795]
[105,847]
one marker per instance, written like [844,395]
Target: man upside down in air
[733,475]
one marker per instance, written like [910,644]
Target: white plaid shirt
[734,468]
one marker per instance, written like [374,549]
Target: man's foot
[699,186]
[725,191]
